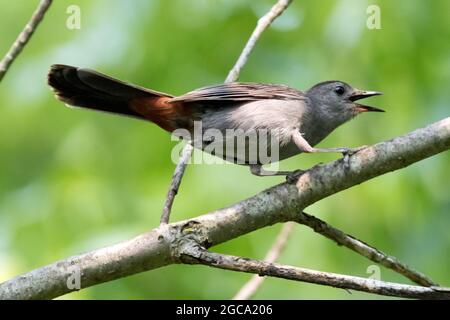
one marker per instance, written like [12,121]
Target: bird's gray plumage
[278,109]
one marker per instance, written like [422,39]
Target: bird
[288,121]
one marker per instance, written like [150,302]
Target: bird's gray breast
[252,132]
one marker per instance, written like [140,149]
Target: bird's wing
[237,91]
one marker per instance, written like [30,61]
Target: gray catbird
[295,121]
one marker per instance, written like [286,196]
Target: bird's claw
[348,152]
[294,176]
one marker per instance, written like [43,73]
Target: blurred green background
[73,180]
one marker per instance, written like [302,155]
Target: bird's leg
[346,152]
[259,171]
[304,146]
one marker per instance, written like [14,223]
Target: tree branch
[280,203]
[196,255]
[251,286]
[24,37]
[363,249]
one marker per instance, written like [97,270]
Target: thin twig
[233,75]
[363,249]
[250,288]
[341,238]
[194,254]
[176,181]
[24,37]
[261,26]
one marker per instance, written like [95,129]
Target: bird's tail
[90,89]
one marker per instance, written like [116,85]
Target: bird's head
[336,101]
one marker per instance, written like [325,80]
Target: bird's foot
[348,152]
[293,176]
[351,151]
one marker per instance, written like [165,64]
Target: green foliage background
[73,180]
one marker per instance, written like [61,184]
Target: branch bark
[280,203]
[24,37]
[196,255]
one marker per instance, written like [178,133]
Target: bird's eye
[339,90]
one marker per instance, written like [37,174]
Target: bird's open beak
[359,94]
